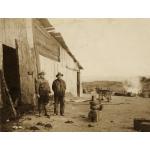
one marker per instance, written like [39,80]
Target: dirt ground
[117,115]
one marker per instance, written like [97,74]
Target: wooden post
[78,83]
[1,103]
[1,66]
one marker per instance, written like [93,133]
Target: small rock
[40,124]
[7,120]
[111,121]
[69,121]
[34,128]
[20,127]
[48,125]
[15,127]
[89,125]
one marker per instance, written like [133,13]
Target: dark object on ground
[34,128]
[40,124]
[89,125]
[145,126]
[69,121]
[138,123]
[48,125]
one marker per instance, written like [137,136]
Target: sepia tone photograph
[74,75]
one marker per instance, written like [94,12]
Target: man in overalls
[43,93]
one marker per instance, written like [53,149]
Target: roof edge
[51,30]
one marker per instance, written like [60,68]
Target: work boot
[46,114]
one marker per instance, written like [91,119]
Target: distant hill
[115,86]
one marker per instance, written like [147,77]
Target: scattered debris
[15,127]
[34,128]
[40,124]
[48,125]
[69,121]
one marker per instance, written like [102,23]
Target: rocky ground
[117,115]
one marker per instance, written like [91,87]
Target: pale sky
[108,49]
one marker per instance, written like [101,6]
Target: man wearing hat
[59,87]
[43,92]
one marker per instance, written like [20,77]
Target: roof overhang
[51,30]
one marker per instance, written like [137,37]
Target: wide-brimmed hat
[59,74]
[41,73]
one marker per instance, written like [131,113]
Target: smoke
[133,85]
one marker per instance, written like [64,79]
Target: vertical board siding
[44,43]
[52,67]
[37,50]
[15,29]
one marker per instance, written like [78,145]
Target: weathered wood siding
[37,50]
[66,65]
[16,30]
[69,68]
[52,58]
[44,43]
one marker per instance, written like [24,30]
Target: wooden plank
[2,78]
[44,43]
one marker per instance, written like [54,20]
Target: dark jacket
[43,87]
[59,87]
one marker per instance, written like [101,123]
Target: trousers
[42,104]
[59,100]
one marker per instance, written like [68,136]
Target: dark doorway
[11,72]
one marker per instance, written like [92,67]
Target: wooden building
[28,46]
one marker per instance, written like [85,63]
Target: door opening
[11,72]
